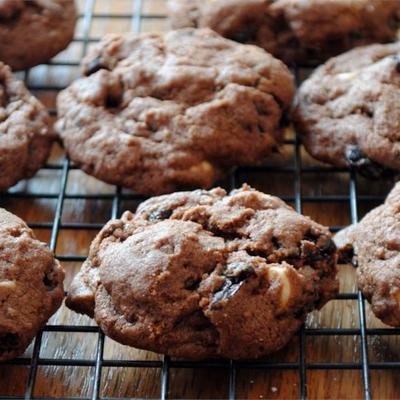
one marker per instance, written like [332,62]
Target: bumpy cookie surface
[31,285]
[376,245]
[33,31]
[348,111]
[293,30]
[158,112]
[207,274]
[25,137]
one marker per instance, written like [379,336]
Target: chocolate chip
[16,232]
[257,253]
[192,284]
[275,242]
[132,318]
[238,272]
[227,291]
[310,237]
[367,112]
[152,126]
[300,314]
[309,252]
[113,101]
[397,63]
[329,248]
[364,165]
[94,66]
[354,155]
[346,254]
[8,341]
[49,279]
[47,282]
[115,93]
[159,215]
[226,235]
[241,37]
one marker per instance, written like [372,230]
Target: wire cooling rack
[298,173]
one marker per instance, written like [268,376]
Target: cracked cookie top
[348,111]
[31,285]
[293,30]
[157,112]
[207,274]
[25,136]
[33,31]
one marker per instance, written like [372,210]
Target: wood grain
[59,381]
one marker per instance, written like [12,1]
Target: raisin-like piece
[227,291]
[236,274]
[159,215]
[364,165]
[192,284]
[50,279]
[329,248]
[94,66]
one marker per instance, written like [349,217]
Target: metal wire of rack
[296,171]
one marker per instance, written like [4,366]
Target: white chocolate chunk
[280,274]
[346,76]
[7,285]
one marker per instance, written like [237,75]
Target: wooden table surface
[67,381]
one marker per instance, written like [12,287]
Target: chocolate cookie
[292,30]
[206,274]
[158,112]
[348,111]
[376,245]
[33,31]
[25,136]
[31,285]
